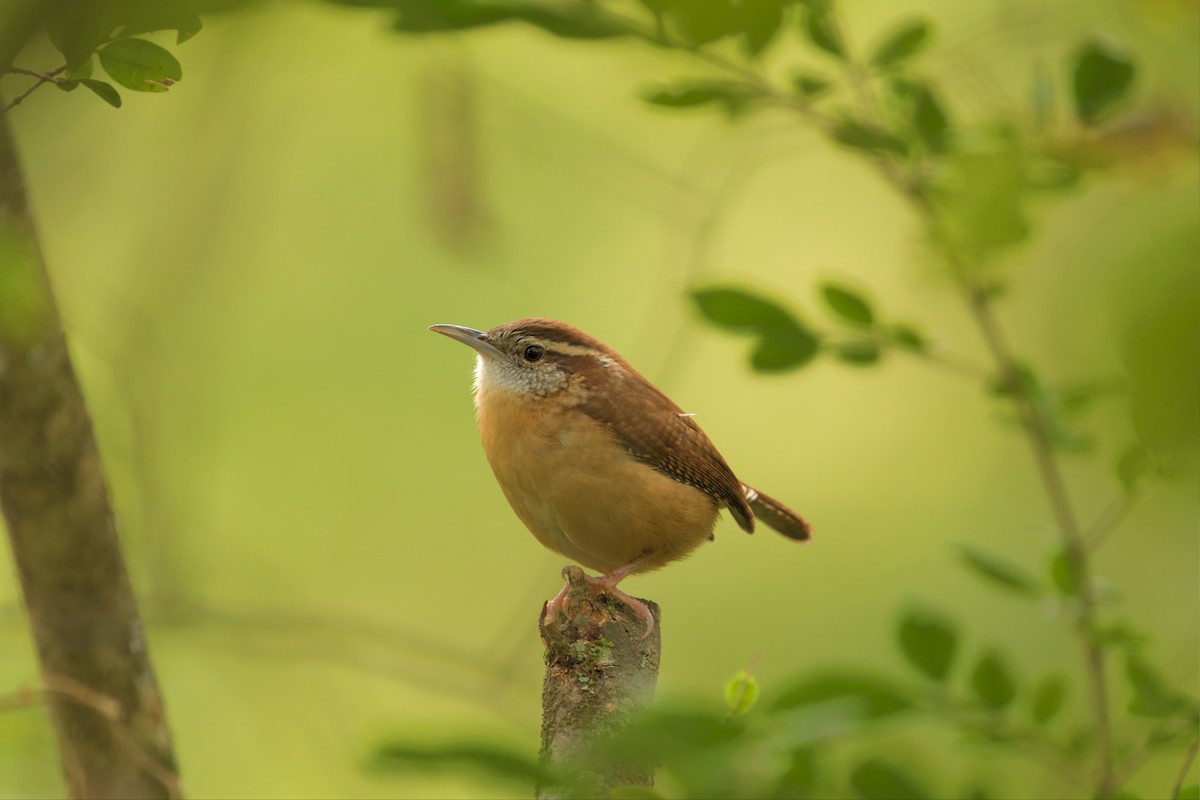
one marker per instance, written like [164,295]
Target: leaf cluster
[784,342]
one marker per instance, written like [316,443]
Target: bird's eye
[534,353]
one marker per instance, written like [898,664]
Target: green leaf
[187,28]
[1063,574]
[821,29]
[1048,698]
[983,197]
[741,692]
[810,85]
[574,21]
[909,338]
[166,18]
[1102,74]
[902,44]
[1120,634]
[1001,572]
[140,65]
[104,91]
[1142,677]
[869,138]
[1151,697]
[929,641]
[992,682]
[1189,793]
[800,779]
[84,70]
[929,120]
[876,697]
[662,735]
[421,16]
[1053,175]
[784,348]
[488,759]
[78,35]
[877,780]
[1161,351]
[731,95]
[848,304]
[759,21]
[858,354]
[1133,466]
[1022,380]
[740,311]
[704,21]
[784,344]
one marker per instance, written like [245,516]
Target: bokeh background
[247,264]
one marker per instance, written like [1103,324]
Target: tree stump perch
[601,670]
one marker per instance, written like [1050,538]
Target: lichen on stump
[601,670]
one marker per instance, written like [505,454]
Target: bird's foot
[580,584]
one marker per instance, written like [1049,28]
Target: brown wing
[660,435]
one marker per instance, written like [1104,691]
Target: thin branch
[42,78]
[1109,521]
[1188,760]
[1036,426]
[968,714]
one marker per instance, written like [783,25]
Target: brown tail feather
[776,515]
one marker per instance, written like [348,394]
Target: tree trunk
[601,670]
[106,708]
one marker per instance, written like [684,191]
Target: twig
[1109,521]
[1035,425]
[1187,766]
[950,361]
[107,708]
[42,77]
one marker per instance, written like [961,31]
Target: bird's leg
[607,585]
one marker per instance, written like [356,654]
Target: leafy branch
[130,61]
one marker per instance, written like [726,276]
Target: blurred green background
[246,267]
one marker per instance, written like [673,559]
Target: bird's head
[534,357]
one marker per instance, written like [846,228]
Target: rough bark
[102,695]
[601,670]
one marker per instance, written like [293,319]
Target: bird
[600,465]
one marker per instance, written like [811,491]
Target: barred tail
[776,515]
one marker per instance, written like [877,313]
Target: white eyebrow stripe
[687,413]
[562,348]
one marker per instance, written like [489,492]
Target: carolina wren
[598,463]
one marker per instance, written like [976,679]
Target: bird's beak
[470,337]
